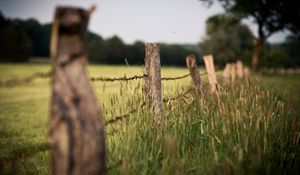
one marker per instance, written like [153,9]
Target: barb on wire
[121,117]
[135,77]
[18,81]
[178,96]
[175,78]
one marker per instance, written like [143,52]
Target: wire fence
[25,80]
[121,117]
[43,75]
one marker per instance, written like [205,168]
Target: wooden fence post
[246,71]
[196,80]
[226,73]
[233,73]
[210,68]
[77,131]
[239,69]
[154,80]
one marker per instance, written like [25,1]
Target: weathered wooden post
[226,73]
[233,73]
[153,81]
[246,71]
[196,80]
[239,69]
[210,68]
[77,131]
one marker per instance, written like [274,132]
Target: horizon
[166,24]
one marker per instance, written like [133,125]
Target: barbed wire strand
[175,78]
[18,81]
[178,96]
[121,117]
[135,77]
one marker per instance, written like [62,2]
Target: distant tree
[94,47]
[135,53]
[226,39]
[15,44]
[114,51]
[270,16]
[39,35]
[292,46]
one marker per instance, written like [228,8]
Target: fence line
[175,78]
[121,117]
[135,77]
[19,81]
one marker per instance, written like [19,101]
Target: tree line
[22,39]
[226,38]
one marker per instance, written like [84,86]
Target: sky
[168,21]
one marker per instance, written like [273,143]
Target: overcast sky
[170,21]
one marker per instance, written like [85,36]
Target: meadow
[250,128]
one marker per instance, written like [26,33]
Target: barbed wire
[178,96]
[121,117]
[175,78]
[135,77]
[18,81]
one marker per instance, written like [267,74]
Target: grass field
[252,128]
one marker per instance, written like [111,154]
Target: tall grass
[252,128]
[243,130]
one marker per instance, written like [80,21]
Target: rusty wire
[175,78]
[18,81]
[178,96]
[135,77]
[121,117]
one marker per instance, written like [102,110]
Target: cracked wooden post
[239,69]
[77,131]
[210,68]
[147,79]
[196,80]
[154,80]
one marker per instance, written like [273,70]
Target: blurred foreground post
[210,68]
[153,81]
[196,80]
[77,131]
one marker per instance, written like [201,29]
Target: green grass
[252,128]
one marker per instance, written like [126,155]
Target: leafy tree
[113,51]
[227,39]
[174,54]
[270,16]
[94,45]
[39,35]
[15,44]
[135,54]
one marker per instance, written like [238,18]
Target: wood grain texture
[152,56]
[210,68]
[194,71]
